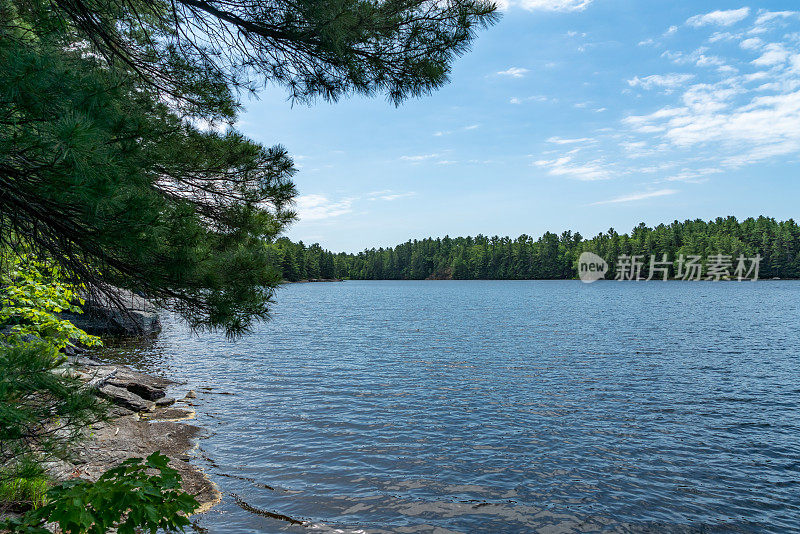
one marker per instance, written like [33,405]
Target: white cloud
[565,166]
[753,43]
[388,195]
[514,72]
[395,196]
[756,76]
[709,98]
[318,207]
[768,16]
[635,147]
[534,98]
[721,36]
[667,81]
[734,102]
[694,176]
[763,128]
[774,54]
[709,61]
[637,196]
[697,58]
[420,157]
[719,18]
[774,86]
[551,5]
[562,141]
[640,121]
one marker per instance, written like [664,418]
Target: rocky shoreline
[143,419]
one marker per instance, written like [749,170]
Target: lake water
[489,406]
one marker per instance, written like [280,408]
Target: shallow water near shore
[489,406]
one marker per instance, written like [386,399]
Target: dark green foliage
[99,175]
[129,498]
[111,159]
[314,48]
[298,262]
[43,411]
[554,257]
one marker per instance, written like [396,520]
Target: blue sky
[567,114]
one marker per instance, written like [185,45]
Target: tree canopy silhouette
[119,160]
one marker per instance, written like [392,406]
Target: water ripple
[503,407]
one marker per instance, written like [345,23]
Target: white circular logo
[591,267]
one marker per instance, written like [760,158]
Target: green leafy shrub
[127,498]
[44,412]
[32,293]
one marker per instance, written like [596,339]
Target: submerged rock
[165,401]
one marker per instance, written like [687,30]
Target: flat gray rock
[146,391]
[126,399]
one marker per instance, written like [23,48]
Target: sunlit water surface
[483,406]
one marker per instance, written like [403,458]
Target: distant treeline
[551,256]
